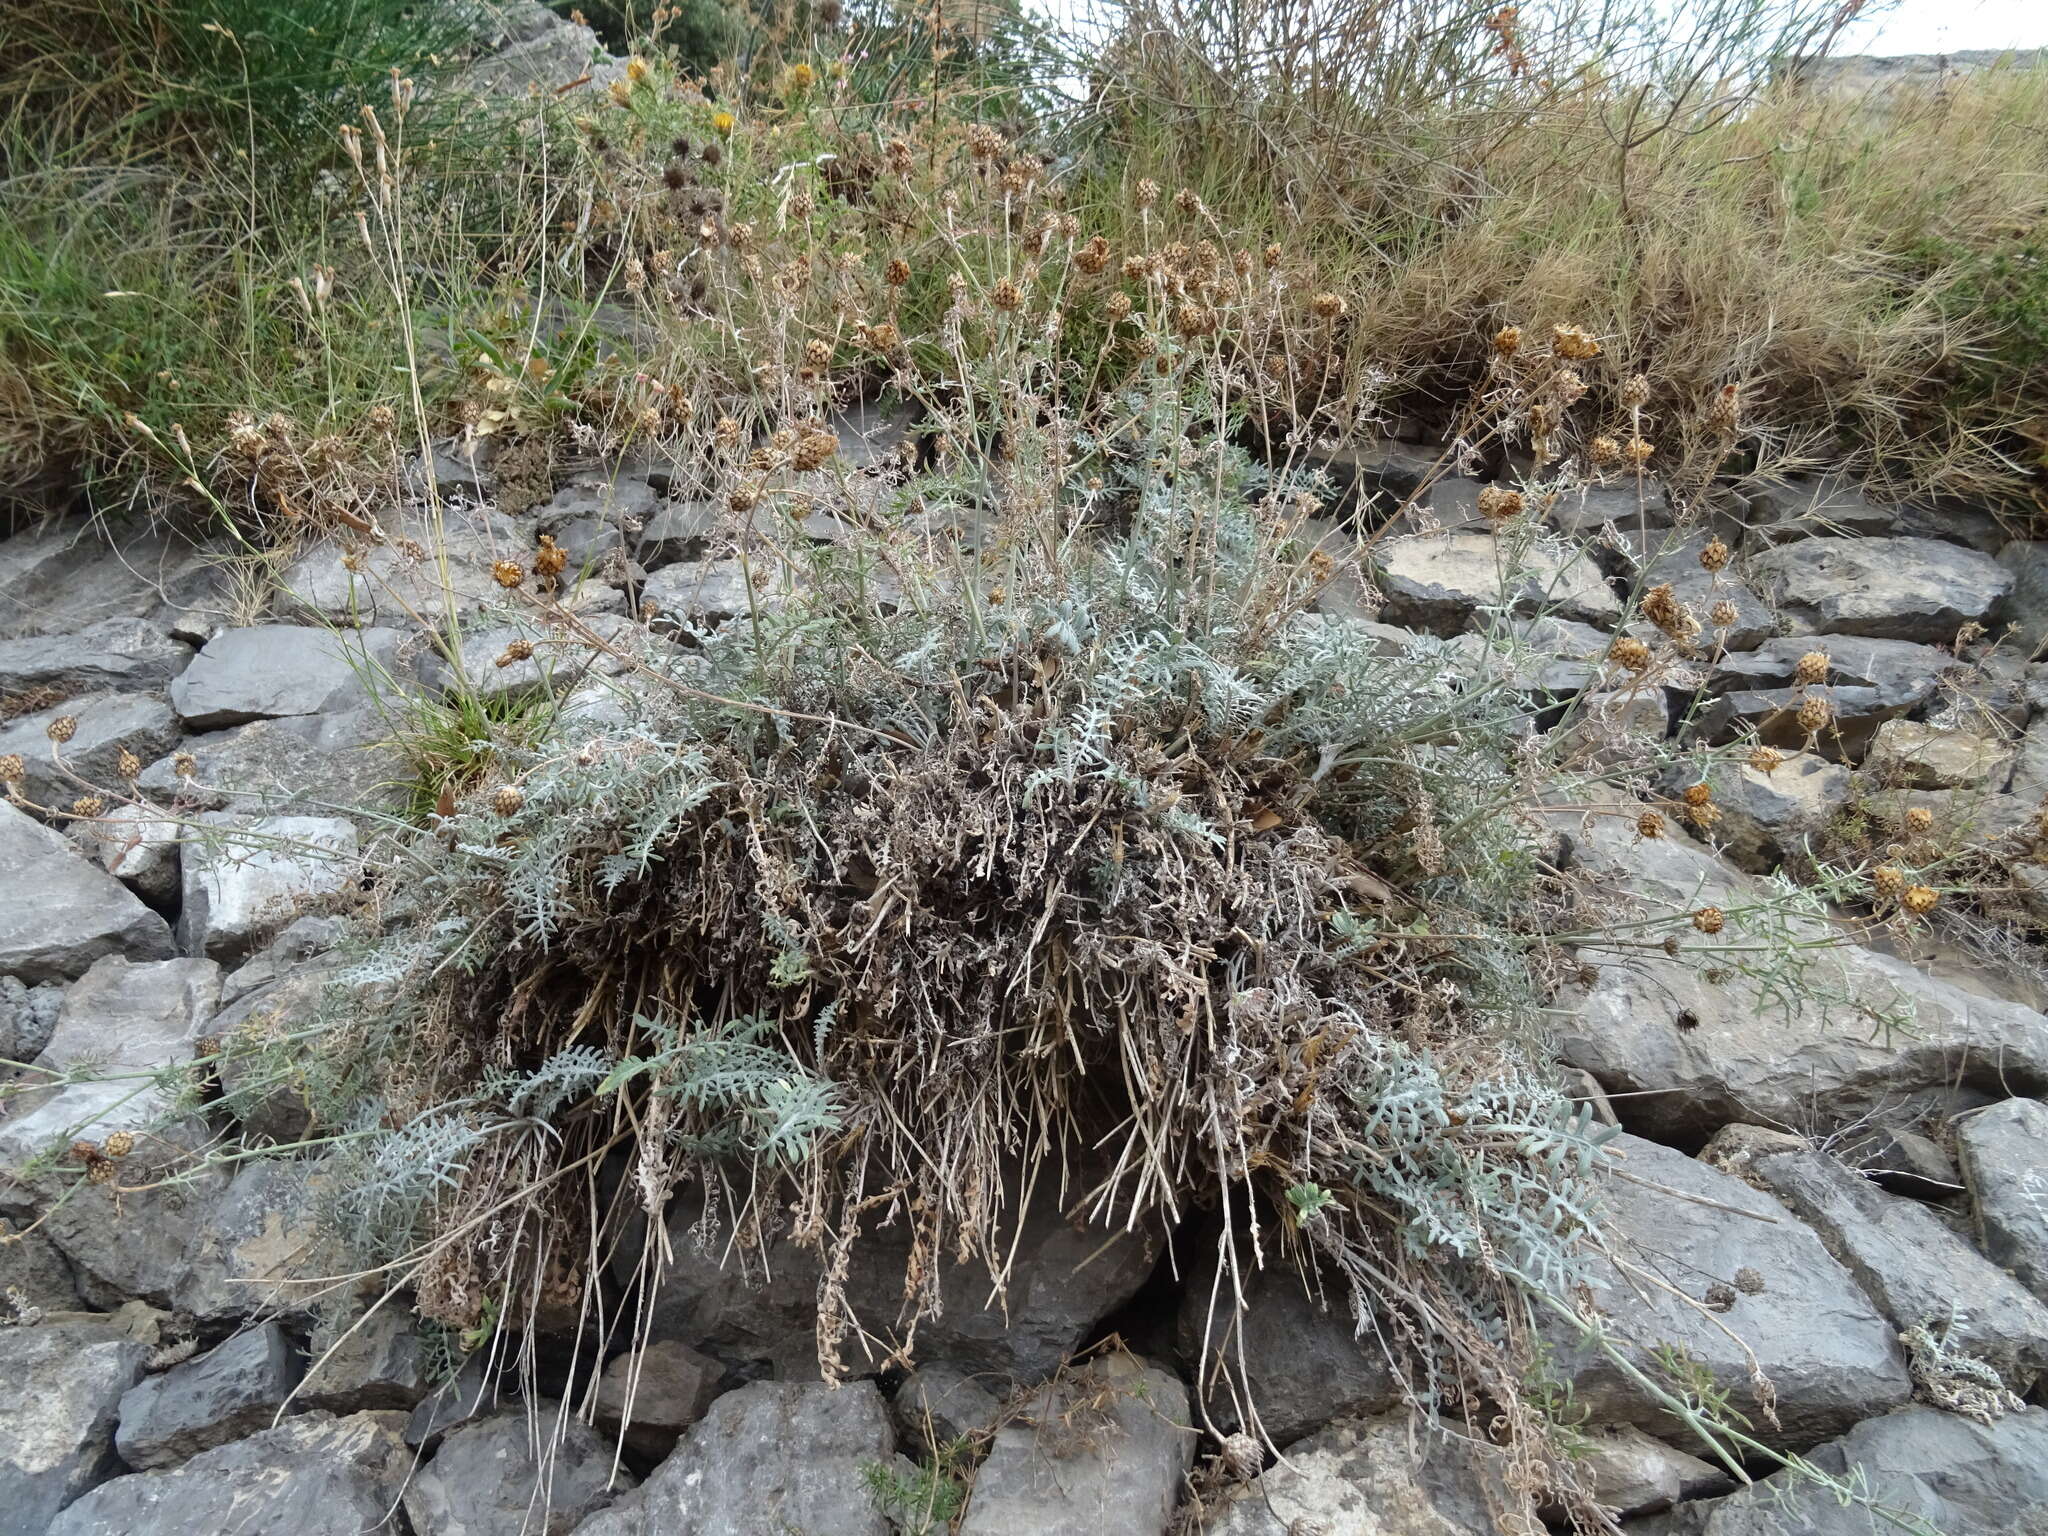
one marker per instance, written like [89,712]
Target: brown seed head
[517,651]
[1710,919]
[1811,669]
[1497,503]
[818,353]
[897,273]
[1637,451]
[1272,253]
[1507,341]
[128,765]
[550,560]
[62,729]
[12,769]
[1663,609]
[983,142]
[1919,821]
[1814,714]
[1698,794]
[184,765]
[1186,201]
[507,799]
[1117,308]
[86,807]
[1603,450]
[1573,344]
[119,1144]
[1093,256]
[1006,296]
[1766,759]
[1327,306]
[1724,615]
[508,573]
[1627,651]
[1635,394]
[1888,881]
[1920,899]
[1714,557]
[1147,192]
[1650,824]
[814,449]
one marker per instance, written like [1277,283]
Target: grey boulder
[651,1395]
[334,764]
[1769,819]
[1701,1262]
[1918,1271]
[1106,1447]
[231,1391]
[270,670]
[112,654]
[773,1456]
[247,877]
[1376,1477]
[2004,1153]
[60,1393]
[1959,1476]
[137,847]
[104,725]
[1440,582]
[1883,588]
[517,1473]
[313,1475]
[60,912]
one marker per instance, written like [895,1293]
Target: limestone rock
[271,670]
[66,578]
[1868,682]
[471,1396]
[298,941]
[1809,506]
[1439,582]
[1918,1271]
[559,661]
[678,530]
[1696,1047]
[1956,1475]
[772,1456]
[1920,756]
[1376,1477]
[246,877]
[395,582]
[738,1316]
[136,847]
[60,1393]
[1769,818]
[650,1396]
[367,1362]
[114,654]
[938,1403]
[2026,604]
[35,1278]
[313,1475]
[530,48]
[709,591]
[60,912]
[2004,1152]
[28,1017]
[1292,1350]
[312,764]
[107,724]
[486,1480]
[258,1083]
[1106,1447]
[1632,1474]
[1885,588]
[1675,562]
[1769,1282]
[230,1391]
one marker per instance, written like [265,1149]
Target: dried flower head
[1603,450]
[897,153]
[1147,192]
[1507,341]
[1627,651]
[1635,393]
[1327,306]
[1006,296]
[1724,411]
[62,729]
[550,560]
[1637,451]
[517,651]
[712,153]
[507,799]
[1766,759]
[1567,387]
[818,353]
[1698,794]
[1920,899]
[814,449]
[1118,308]
[12,769]
[1887,880]
[1814,714]
[1811,669]
[984,142]
[1919,821]
[1497,503]
[184,765]
[1192,320]
[1724,615]
[1573,344]
[1663,609]
[128,765]
[1093,256]
[119,1144]
[1650,824]
[675,178]
[727,432]
[1710,919]
[1714,556]
[86,807]
[884,337]
[508,573]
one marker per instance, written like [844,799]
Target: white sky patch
[1948,26]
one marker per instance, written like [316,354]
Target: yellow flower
[802,77]
[721,124]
